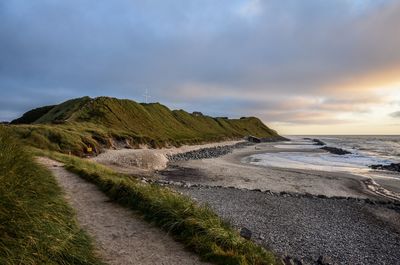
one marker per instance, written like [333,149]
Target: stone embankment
[332,150]
[205,153]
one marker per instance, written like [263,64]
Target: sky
[302,67]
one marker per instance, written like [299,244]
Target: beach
[306,215]
[236,170]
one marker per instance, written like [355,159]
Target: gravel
[346,231]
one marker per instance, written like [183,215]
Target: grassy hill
[103,122]
[32,115]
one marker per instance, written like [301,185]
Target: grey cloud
[53,51]
[395,114]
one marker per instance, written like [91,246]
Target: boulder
[392,167]
[324,260]
[335,151]
[253,139]
[245,233]
[318,142]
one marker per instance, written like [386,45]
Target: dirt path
[121,236]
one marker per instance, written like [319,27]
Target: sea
[365,151]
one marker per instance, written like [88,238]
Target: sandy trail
[121,237]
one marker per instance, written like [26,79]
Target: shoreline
[235,170]
[228,164]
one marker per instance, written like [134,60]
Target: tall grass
[36,225]
[198,227]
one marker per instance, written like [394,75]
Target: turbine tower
[146,96]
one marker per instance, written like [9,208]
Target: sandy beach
[235,170]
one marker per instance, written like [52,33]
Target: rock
[324,260]
[197,113]
[292,261]
[288,261]
[302,262]
[245,233]
[318,142]
[335,151]
[274,139]
[253,139]
[392,167]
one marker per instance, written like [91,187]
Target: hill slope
[75,124]
[32,115]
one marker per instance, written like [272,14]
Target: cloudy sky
[303,67]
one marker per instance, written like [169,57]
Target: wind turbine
[146,96]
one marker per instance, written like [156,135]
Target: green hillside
[32,115]
[103,122]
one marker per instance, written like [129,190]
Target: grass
[40,216]
[32,115]
[36,225]
[198,227]
[76,124]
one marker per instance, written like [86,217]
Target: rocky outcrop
[253,139]
[317,142]
[332,150]
[392,167]
[257,140]
[335,151]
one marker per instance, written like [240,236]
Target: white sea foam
[316,161]
[366,151]
[297,146]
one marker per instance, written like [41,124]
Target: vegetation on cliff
[76,124]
